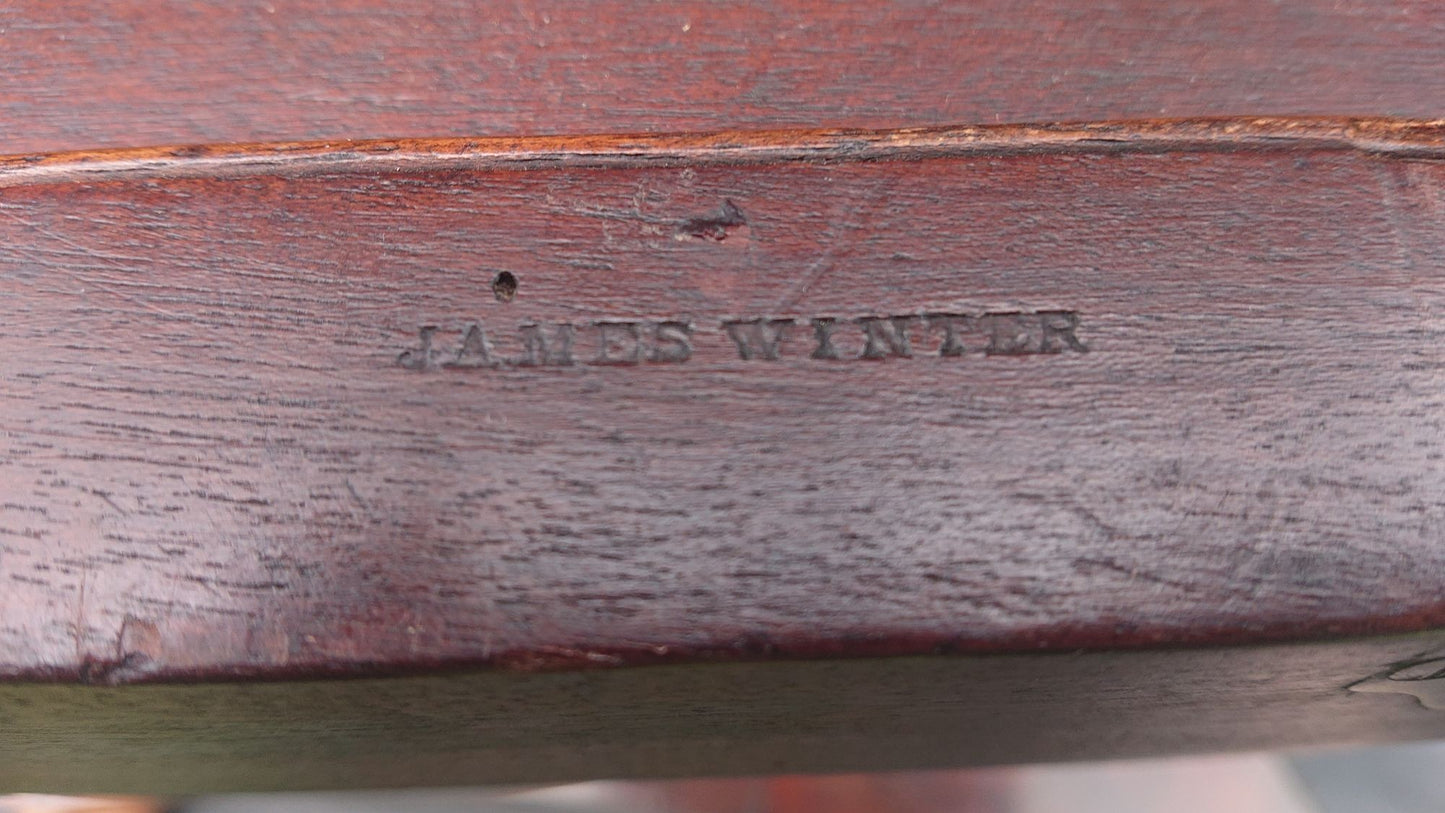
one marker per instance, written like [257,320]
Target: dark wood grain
[287,404]
[227,453]
[80,74]
[274,413]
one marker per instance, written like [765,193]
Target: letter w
[758,338]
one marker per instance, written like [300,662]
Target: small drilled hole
[505,286]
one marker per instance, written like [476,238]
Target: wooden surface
[715,719]
[287,403]
[77,75]
[270,418]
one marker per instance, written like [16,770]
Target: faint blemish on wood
[717,226]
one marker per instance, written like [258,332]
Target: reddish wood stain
[289,400]
[74,75]
[220,463]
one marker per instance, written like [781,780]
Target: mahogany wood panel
[138,72]
[518,399]
[268,412]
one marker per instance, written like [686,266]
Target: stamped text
[674,341]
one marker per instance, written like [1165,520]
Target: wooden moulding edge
[1412,138]
[718,719]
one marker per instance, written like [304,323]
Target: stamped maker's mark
[674,341]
